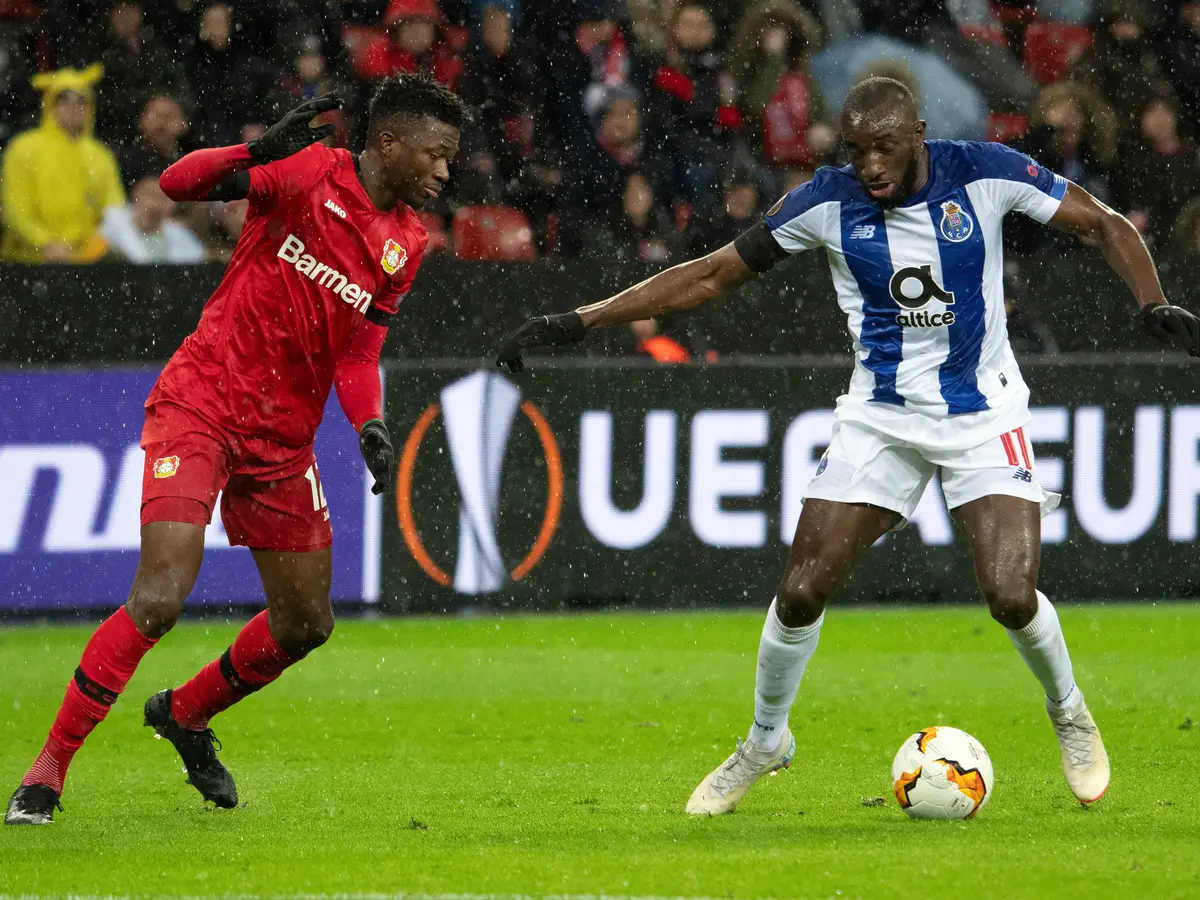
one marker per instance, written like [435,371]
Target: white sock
[782,655]
[1044,650]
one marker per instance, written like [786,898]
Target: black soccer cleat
[198,749]
[32,804]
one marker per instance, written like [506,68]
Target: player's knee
[300,634]
[799,600]
[155,603]
[1011,597]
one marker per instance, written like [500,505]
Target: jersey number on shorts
[314,482]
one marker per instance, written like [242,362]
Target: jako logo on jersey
[335,209]
[166,466]
[862,232]
[956,224]
[913,287]
[394,257]
[292,251]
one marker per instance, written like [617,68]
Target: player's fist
[375,445]
[294,131]
[540,331]
[1172,325]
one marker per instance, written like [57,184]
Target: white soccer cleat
[1084,759]
[727,784]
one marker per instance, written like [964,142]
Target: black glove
[1172,325]
[540,331]
[375,445]
[293,133]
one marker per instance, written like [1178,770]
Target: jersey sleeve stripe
[870,262]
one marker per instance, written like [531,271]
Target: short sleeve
[798,221]
[283,179]
[1016,183]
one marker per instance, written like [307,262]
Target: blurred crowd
[628,129]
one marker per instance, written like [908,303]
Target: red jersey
[315,275]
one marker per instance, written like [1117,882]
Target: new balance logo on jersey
[862,232]
[292,251]
[335,209]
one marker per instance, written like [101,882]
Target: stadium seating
[493,233]
[1050,48]
[1003,127]
[19,9]
[438,239]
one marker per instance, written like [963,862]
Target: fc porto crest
[394,257]
[956,224]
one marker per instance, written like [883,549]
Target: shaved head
[878,103]
[884,140]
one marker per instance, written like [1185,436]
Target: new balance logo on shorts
[335,209]
[1023,475]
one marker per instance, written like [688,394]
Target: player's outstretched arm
[1124,250]
[681,287]
[220,173]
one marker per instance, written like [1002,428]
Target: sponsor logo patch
[862,232]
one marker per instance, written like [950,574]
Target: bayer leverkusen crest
[394,257]
[166,466]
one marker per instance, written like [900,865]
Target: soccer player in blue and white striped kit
[912,231]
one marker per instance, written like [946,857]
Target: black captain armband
[377,316]
[758,248]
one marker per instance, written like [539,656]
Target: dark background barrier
[117,313]
[1120,438]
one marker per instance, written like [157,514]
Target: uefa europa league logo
[478,412]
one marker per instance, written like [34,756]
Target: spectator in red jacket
[683,101]
[783,111]
[415,41]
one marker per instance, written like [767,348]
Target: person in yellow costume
[56,180]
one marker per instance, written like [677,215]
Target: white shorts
[865,466]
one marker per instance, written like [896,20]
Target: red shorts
[271,496]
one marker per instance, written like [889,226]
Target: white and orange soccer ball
[942,773]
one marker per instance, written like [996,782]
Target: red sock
[252,662]
[109,660]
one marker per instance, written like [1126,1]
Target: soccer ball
[942,773]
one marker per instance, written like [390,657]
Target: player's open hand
[375,445]
[540,331]
[294,131]
[1172,325]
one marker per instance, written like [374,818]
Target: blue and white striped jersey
[922,288]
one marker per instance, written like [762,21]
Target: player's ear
[919,130]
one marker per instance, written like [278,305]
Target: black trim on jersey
[378,316]
[232,187]
[95,690]
[758,248]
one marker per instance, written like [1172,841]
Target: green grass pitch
[552,756]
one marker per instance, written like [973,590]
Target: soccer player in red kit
[330,247]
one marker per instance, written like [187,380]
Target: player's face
[417,160]
[885,155]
